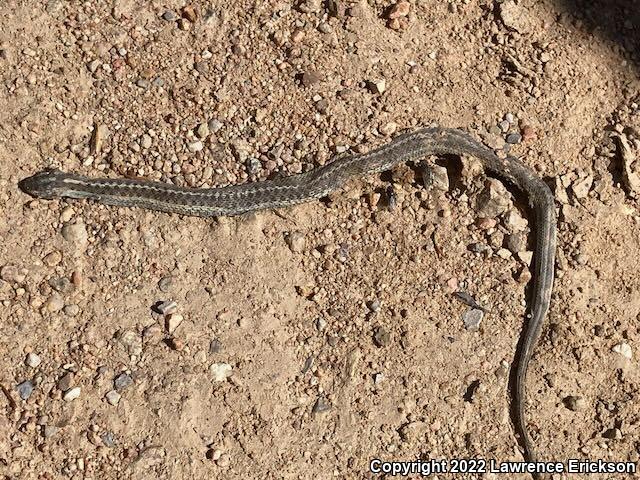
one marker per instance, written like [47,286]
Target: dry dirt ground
[306,342]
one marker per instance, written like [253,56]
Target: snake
[294,189]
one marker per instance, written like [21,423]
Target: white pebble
[623,349]
[71,394]
[33,360]
[220,371]
[173,321]
[195,146]
[113,397]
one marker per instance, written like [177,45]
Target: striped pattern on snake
[295,189]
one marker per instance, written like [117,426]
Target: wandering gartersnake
[282,192]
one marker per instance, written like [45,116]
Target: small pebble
[381,337]
[75,233]
[65,382]
[169,16]
[321,324]
[167,307]
[25,389]
[71,310]
[493,200]
[196,146]
[623,349]
[472,319]
[61,284]
[296,241]
[613,434]
[574,403]
[98,137]
[54,303]
[373,305]
[172,322]
[435,176]
[310,77]
[254,166]
[526,257]
[93,67]
[514,138]
[132,341]
[214,454]
[202,131]
[215,346]
[189,13]
[297,36]
[528,133]
[220,371]
[71,394]
[122,381]
[214,125]
[152,334]
[377,86]
[33,360]
[388,129]
[324,27]
[175,343]
[581,187]
[322,405]
[146,141]
[11,273]
[165,283]
[400,9]
[113,397]
[108,438]
[50,431]
[52,259]
[517,242]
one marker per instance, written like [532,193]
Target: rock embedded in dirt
[377,86]
[516,16]
[322,405]
[33,360]
[220,371]
[75,233]
[623,349]
[581,187]
[100,134]
[113,397]
[25,389]
[574,403]
[71,394]
[472,319]
[11,273]
[296,242]
[630,153]
[189,13]
[310,77]
[400,9]
[381,337]
[169,16]
[494,200]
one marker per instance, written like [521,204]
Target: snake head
[46,184]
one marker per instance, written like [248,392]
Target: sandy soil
[306,342]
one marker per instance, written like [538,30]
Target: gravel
[25,389]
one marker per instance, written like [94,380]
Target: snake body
[295,189]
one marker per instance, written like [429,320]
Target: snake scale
[295,189]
